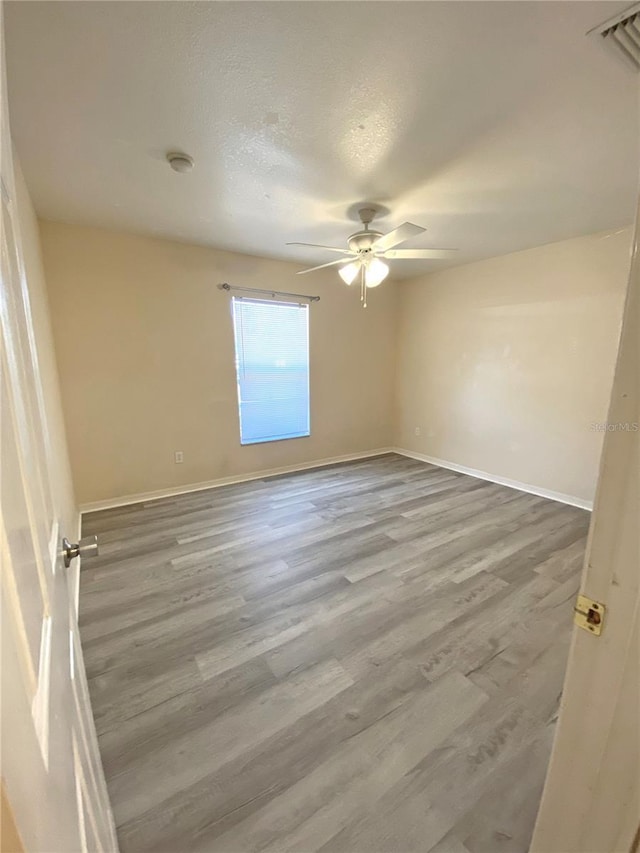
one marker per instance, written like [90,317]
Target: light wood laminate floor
[367,657]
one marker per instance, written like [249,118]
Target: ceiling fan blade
[322,266]
[425,254]
[397,236]
[328,248]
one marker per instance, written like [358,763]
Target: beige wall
[145,351]
[505,364]
[60,473]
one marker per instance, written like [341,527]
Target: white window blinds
[272,366]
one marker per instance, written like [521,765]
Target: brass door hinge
[589,614]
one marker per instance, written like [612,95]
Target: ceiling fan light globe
[349,272]
[376,272]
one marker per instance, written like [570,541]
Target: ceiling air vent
[622,36]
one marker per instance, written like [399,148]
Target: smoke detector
[180,162]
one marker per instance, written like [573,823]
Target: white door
[591,800]
[51,770]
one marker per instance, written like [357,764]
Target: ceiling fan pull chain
[363,287]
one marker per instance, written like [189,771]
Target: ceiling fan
[368,248]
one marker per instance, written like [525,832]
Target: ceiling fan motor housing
[362,241]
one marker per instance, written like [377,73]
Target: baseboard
[143,497]
[502,481]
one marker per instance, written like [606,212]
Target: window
[272,366]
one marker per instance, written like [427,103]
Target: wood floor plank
[383,741]
[501,820]
[467,642]
[192,755]
[127,739]
[427,803]
[364,657]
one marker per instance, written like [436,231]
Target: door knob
[86,547]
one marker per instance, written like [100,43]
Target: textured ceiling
[498,126]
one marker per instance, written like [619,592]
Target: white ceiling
[498,126]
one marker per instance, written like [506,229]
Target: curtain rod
[228,287]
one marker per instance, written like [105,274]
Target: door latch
[589,614]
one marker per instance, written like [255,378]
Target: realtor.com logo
[623,426]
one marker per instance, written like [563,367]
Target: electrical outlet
[179,457]
[416,430]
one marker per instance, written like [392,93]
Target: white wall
[60,473]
